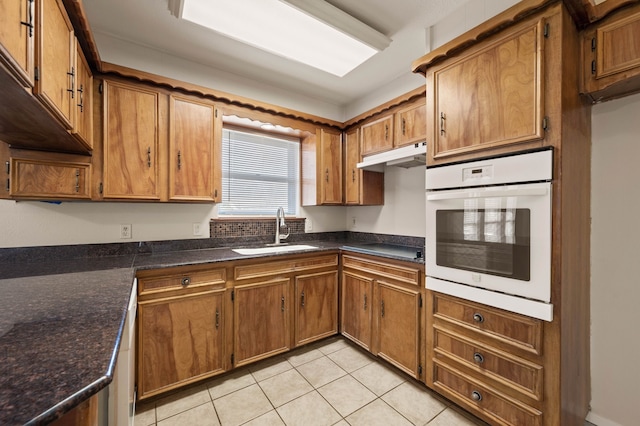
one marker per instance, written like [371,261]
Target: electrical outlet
[196,229]
[125,231]
[308,225]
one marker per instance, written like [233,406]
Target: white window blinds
[259,174]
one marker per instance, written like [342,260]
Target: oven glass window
[486,236]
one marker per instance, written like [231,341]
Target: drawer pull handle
[477,357]
[185,281]
[477,317]
[476,396]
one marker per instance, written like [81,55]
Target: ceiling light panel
[312,32]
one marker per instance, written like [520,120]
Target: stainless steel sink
[274,249]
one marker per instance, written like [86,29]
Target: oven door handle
[488,193]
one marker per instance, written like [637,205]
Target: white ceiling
[149,23]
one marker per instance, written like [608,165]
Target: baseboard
[600,421]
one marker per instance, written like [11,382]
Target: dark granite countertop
[61,321]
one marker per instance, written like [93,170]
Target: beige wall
[615,262]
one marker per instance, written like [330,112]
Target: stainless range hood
[406,156]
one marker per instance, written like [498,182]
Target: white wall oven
[488,233]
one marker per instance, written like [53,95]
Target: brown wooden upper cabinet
[83,100]
[132,137]
[361,187]
[488,98]
[322,168]
[403,126]
[377,136]
[39,52]
[411,124]
[611,49]
[194,150]
[55,73]
[34,178]
[140,122]
[16,38]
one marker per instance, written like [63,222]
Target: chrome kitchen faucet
[280,223]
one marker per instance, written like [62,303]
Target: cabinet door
[180,340]
[399,326]
[131,141]
[83,104]
[261,321]
[16,38]
[352,174]
[191,150]
[330,167]
[316,306]
[55,60]
[612,53]
[411,125]
[40,179]
[377,136]
[491,98]
[356,308]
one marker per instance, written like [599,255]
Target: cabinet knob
[477,357]
[476,396]
[185,281]
[477,317]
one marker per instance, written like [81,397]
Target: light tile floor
[332,382]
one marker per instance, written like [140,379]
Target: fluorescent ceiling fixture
[309,31]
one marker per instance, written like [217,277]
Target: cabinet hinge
[6,163]
[232,359]
[101,88]
[8,185]
[593,67]
[420,300]
[545,31]
[36,74]
[593,44]
[545,123]
[216,112]
[420,370]
[233,295]
[100,188]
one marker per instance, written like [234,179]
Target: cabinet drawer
[476,396]
[49,179]
[514,330]
[400,273]
[270,268]
[515,373]
[178,278]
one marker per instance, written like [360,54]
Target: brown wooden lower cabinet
[381,309]
[357,297]
[316,306]
[487,360]
[181,340]
[399,326]
[261,320]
